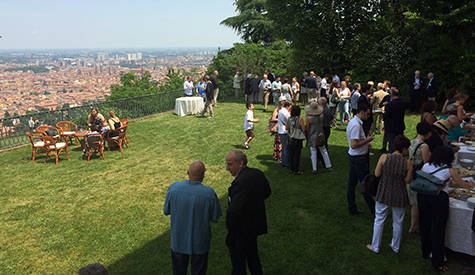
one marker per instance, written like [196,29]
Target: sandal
[442,269]
[371,248]
[311,172]
[298,173]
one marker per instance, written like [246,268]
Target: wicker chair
[94,142]
[37,144]
[125,121]
[56,145]
[119,139]
[68,130]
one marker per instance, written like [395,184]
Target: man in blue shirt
[191,206]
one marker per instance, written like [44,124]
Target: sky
[86,24]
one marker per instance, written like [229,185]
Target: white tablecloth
[464,153]
[458,233]
[189,105]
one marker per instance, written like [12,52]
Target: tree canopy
[367,39]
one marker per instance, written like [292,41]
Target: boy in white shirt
[249,124]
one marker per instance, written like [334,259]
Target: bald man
[191,206]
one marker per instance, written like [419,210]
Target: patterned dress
[392,187]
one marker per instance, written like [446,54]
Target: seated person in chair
[114,123]
[95,120]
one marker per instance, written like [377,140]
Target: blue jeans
[199,263]
[359,168]
[344,110]
[284,155]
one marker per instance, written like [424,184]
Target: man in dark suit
[415,88]
[394,118]
[246,213]
[432,87]
[366,100]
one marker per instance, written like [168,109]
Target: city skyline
[142,24]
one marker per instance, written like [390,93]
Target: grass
[55,219]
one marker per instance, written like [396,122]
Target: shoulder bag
[427,183]
[369,186]
[321,140]
[334,99]
[419,166]
[295,131]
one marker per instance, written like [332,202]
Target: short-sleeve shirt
[355,131]
[265,84]
[201,86]
[191,206]
[187,86]
[282,120]
[248,125]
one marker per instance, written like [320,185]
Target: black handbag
[369,186]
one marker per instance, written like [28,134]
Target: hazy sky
[51,24]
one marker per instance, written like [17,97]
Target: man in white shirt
[188,86]
[358,154]
[265,87]
[336,78]
[236,85]
[282,118]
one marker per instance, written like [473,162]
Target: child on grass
[249,124]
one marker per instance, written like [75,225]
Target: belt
[357,156]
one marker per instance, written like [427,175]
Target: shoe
[346,120]
[211,117]
[356,212]
[298,173]
[330,170]
[265,110]
[245,146]
[311,172]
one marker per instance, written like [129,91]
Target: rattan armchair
[68,130]
[125,121]
[94,143]
[118,139]
[37,144]
[55,145]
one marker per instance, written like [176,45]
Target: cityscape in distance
[39,80]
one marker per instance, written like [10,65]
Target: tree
[173,81]
[323,32]
[131,86]
[254,57]
[252,22]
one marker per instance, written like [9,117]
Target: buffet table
[464,153]
[458,233]
[189,105]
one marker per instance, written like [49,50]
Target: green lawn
[57,218]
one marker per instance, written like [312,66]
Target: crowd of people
[367,111]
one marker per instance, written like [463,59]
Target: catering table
[458,233]
[189,105]
[464,153]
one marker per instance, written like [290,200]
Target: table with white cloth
[465,153]
[191,105]
[458,232]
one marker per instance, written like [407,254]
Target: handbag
[427,183]
[418,166]
[321,140]
[273,127]
[334,99]
[369,186]
[295,131]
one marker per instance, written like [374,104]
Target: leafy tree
[66,106]
[252,22]
[173,81]
[254,57]
[131,86]
[43,109]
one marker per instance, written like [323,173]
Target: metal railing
[13,129]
